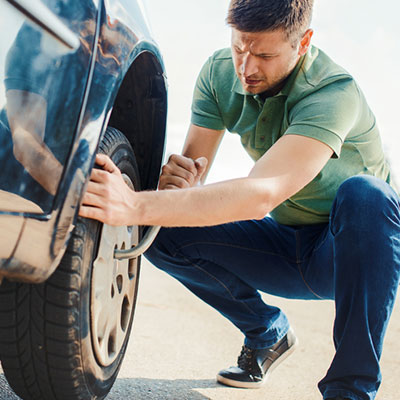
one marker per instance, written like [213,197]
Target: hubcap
[113,291]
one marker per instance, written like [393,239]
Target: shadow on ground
[160,389]
[141,389]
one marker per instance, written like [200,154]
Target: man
[333,230]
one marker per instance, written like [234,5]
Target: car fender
[139,55]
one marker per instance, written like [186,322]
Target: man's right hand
[182,172]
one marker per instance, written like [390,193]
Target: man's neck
[272,92]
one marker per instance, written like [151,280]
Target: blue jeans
[354,259]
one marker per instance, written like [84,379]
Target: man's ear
[305,42]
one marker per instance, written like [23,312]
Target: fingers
[173,182]
[91,207]
[170,186]
[182,172]
[201,166]
[106,163]
[101,176]
[96,200]
[94,187]
[184,162]
[177,171]
[106,167]
[101,187]
[94,195]
[108,199]
[92,213]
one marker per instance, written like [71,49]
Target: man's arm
[286,168]
[202,142]
[26,113]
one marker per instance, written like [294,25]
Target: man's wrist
[139,208]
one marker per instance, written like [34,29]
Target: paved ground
[178,344]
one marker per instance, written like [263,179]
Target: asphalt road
[178,344]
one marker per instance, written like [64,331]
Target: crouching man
[316,217]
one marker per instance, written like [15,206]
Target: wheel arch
[140,112]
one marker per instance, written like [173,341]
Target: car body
[76,78]
[68,69]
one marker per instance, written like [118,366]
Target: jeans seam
[233,246]
[307,285]
[317,248]
[221,283]
[298,262]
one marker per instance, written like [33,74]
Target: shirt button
[263,119]
[262,138]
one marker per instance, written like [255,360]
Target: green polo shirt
[319,100]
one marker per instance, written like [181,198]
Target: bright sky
[361,35]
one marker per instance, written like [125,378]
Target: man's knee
[366,188]
[365,199]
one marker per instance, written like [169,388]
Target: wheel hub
[113,289]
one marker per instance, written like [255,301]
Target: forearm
[202,142]
[44,169]
[27,111]
[223,202]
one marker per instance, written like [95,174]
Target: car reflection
[26,114]
[43,84]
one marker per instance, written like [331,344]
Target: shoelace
[245,359]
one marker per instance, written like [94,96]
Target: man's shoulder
[219,72]
[319,69]
[222,55]
[221,65]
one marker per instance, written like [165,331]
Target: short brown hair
[294,16]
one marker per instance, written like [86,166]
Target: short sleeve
[205,110]
[328,114]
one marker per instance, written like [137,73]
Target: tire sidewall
[101,378]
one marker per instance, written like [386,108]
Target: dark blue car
[76,78]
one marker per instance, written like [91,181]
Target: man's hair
[293,16]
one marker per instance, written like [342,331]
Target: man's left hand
[108,198]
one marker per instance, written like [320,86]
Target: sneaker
[254,365]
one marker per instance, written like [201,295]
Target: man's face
[263,60]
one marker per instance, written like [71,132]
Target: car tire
[66,338]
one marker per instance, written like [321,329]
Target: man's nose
[249,65]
